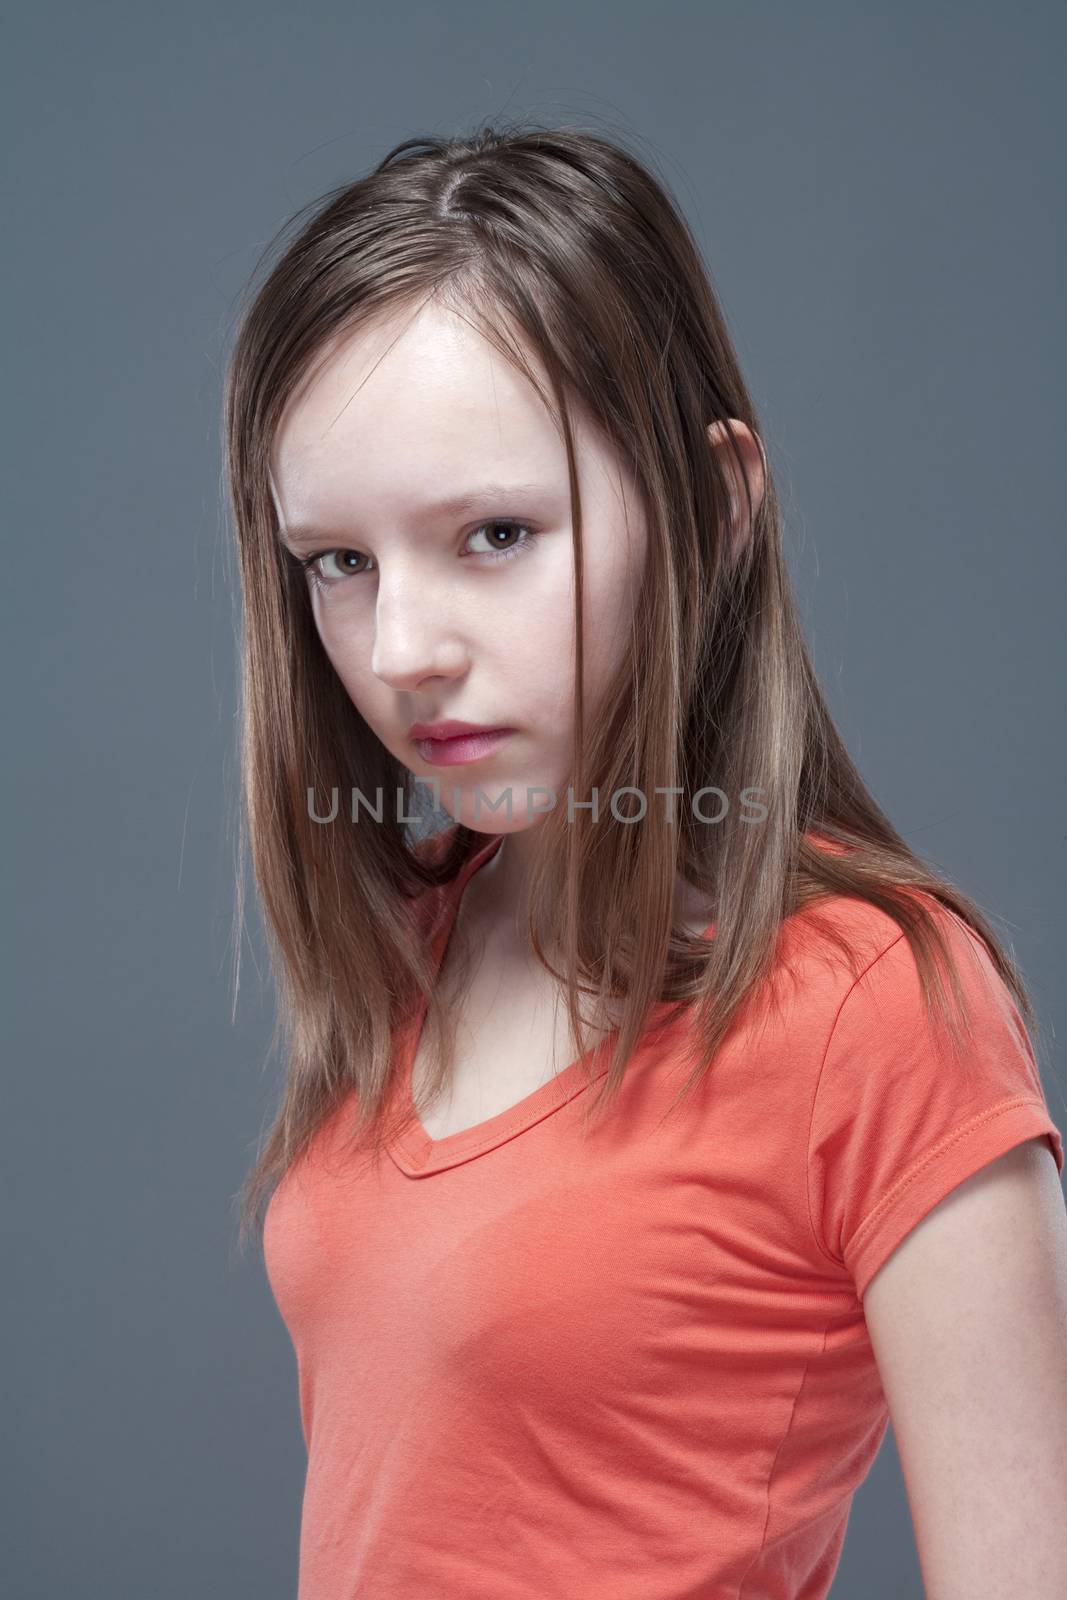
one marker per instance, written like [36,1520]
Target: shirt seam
[903,1183]
[787,1430]
[835,1261]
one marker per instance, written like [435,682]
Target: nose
[415,633]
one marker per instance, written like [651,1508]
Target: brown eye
[347,562]
[505,526]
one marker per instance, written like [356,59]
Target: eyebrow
[485,495]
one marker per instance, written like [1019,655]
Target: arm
[968,1323]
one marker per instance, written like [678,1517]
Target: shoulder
[851,983]
[847,936]
[871,932]
[825,949]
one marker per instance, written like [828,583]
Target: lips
[451,729]
[461,748]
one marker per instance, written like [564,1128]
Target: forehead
[403,410]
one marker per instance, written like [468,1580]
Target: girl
[662,1125]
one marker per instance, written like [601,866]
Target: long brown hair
[560,241]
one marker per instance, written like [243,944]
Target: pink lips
[461,747]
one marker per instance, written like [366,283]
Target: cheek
[609,639]
[350,658]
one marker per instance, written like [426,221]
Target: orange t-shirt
[633,1364]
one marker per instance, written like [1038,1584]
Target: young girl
[662,1125]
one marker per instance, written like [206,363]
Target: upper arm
[968,1323]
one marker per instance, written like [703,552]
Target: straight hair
[557,241]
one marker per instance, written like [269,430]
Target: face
[422,480]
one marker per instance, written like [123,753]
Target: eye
[322,578]
[312,566]
[508,526]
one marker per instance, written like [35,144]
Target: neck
[498,891]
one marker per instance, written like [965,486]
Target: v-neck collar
[413,1151]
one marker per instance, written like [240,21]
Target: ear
[752,454]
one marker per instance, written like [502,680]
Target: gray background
[876,190]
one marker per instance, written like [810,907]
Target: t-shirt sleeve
[898,1119]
